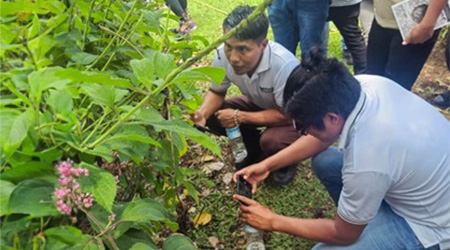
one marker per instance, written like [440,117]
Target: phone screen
[244,188]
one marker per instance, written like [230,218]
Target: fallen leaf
[213,166]
[207,158]
[213,241]
[202,219]
[192,210]
[227,178]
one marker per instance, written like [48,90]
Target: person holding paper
[389,55]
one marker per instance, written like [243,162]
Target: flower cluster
[69,191]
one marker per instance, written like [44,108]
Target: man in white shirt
[260,69]
[389,177]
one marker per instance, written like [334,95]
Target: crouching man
[389,175]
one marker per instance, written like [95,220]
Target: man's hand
[419,34]
[198,118]
[255,214]
[253,174]
[226,118]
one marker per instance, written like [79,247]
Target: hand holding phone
[244,188]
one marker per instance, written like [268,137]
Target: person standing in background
[345,16]
[295,21]
[389,55]
[178,7]
[366,17]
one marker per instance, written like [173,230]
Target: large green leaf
[148,115]
[82,57]
[134,237]
[34,29]
[14,127]
[208,73]
[29,170]
[154,63]
[178,242]
[101,95]
[101,184]
[144,71]
[132,142]
[5,192]
[64,234]
[33,197]
[61,101]
[7,35]
[44,79]
[11,8]
[188,131]
[145,210]
[90,77]
[142,246]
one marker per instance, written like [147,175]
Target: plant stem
[99,225]
[123,38]
[114,38]
[184,66]
[86,25]
[95,129]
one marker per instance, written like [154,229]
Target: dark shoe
[442,100]
[347,57]
[283,176]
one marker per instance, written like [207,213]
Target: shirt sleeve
[361,196]
[280,81]
[220,62]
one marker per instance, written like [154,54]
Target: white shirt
[265,87]
[341,3]
[397,148]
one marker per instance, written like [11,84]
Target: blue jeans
[387,231]
[295,21]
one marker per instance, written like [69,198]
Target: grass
[305,197]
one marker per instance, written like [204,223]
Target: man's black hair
[256,30]
[319,86]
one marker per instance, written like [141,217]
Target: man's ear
[333,118]
[264,43]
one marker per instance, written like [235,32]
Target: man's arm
[423,31]
[212,101]
[336,232]
[268,117]
[302,149]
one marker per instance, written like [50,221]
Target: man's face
[245,55]
[333,125]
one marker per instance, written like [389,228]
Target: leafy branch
[172,75]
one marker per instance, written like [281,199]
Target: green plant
[105,84]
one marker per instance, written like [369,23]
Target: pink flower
[75,185]
[69,191]
[64,181]
[65,168]
[63,207]
[61,193]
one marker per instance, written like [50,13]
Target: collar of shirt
[351,120]
[264,64]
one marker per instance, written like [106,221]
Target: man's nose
[234,56]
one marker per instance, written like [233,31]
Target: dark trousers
[386,56]
[259,144]
[178,7]
[346,20]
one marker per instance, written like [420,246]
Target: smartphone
[206,129]
[244,188]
